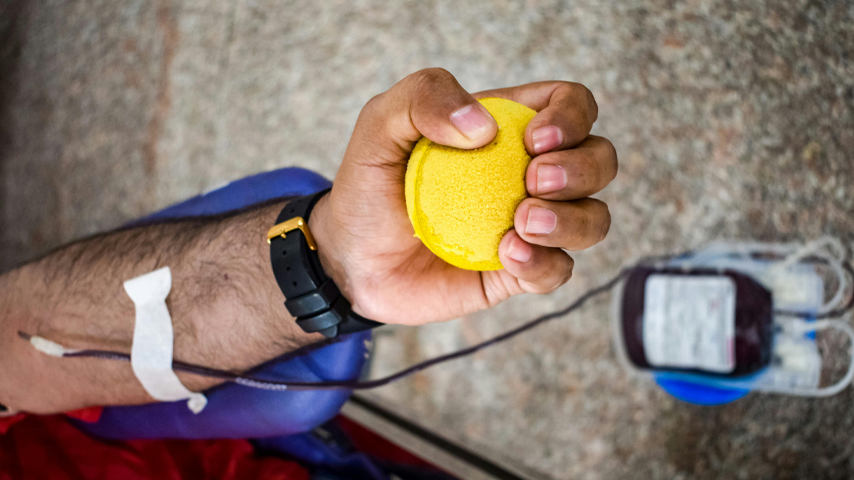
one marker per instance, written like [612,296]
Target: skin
[387,273]
[225,305]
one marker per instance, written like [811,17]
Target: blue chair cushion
[235,411]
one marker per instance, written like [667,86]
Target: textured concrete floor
[731,119]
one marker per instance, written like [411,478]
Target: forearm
[225,305]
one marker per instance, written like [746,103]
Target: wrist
[318,289]
[322,224]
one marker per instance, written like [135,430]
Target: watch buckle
[296,223]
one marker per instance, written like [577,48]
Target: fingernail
[550,178]
[540,221]
[520,250]
[546,138]
[472,122]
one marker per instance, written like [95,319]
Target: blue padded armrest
[235,411]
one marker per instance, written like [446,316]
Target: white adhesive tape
[151,353]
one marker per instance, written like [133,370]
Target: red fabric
[89,415]
[6,422]
[50,447]
[366,441]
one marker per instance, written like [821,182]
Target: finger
[572,174]
[429,103]
[538,269]
[572,225]
[567,112]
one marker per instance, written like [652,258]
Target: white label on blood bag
[689,322]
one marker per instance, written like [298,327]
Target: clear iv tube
[832,252]
[812,392]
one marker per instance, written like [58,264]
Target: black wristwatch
[312,297]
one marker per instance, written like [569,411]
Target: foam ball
[462,202]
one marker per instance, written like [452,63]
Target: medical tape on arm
[151,352]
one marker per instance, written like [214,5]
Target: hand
[365,238]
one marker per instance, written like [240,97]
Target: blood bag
[712,325]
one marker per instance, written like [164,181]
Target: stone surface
[731,119]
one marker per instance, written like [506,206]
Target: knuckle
[565,272]
[593,166]
[579,92]
[429,78]
[373,105]
[543,286]
[579,121]
[590,229]
[582,227]
[583,170]
[606,222]
[551,273]
[562,274]
[592,106]
[569,87]
[377,116]
[612,159]
[602,159]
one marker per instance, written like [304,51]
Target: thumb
[430,103]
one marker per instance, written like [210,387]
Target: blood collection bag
[712,325]
[715,322]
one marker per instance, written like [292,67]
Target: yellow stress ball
[462,202]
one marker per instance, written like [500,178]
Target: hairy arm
[225,305]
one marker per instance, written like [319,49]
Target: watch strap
[296,267]
[312,297]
